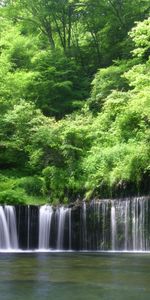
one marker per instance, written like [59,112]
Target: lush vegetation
[74,99]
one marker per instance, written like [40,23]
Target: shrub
[12,197]
[32,185]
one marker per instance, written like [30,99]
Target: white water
[105,225]
[8,229]
[138,230]
[126,224]
[45,219]
[12,227]
[61,214]
[84,229]
[113,226]
[119,225]
[70,235]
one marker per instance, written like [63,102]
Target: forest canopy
[74,100]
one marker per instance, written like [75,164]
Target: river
[74,276]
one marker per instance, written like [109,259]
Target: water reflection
[74,276]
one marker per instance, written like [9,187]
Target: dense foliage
[74,99]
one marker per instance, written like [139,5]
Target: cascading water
[139,234]
[8,229]
[70,236]
[126,224]
[45,219]
[84,226]
[11,223]
[4,233]
[61,214]
[118,225]
[121,224]
[113,227]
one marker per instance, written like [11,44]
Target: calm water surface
[75,276]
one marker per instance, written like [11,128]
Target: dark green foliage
[32,185]
[60,85]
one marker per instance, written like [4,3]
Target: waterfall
[4,232]
[84,226]
[70,236]
[121,224]
[12,227]
[126,224]
[104,205]
[45,219]
[118,225]
[28,229]
[138,229]
[113,226]
[61,215]
[129,229]
[8,229]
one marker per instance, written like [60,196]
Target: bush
[32,185]
[12,197]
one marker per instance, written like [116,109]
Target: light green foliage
[141,37]
[58,142]
[120,153]
[15,73]
[17,188]
[106,80]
